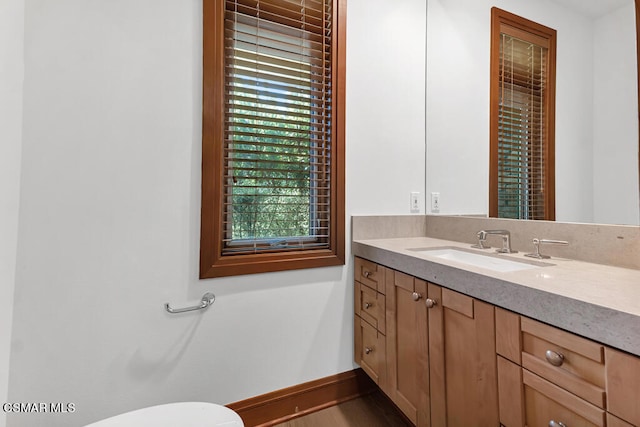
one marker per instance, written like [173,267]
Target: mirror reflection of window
[522,118]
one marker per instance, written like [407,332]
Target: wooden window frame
[637,6]
[501,18]
[212,262]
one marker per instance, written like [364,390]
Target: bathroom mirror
[597,142]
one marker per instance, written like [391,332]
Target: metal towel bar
[206,301]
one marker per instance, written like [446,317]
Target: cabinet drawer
[573,363]
[370,350]
[545,402]
[370,274]
[370,306]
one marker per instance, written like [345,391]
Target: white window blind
[522,133]
[277,138]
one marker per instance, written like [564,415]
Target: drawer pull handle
[367,350]
[556,424]
[416,296]
[366,273]
[556,359]
[431,303]
[367,305]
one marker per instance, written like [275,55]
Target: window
[522,163]
[273,136]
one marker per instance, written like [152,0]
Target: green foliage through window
[277,134]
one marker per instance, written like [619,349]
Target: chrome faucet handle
[482,239]
[537,242]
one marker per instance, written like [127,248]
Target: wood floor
[373,410]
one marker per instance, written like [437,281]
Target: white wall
[458,46]
[109,217]
[386,105]
[11,78]
[615,172]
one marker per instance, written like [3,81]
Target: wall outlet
[414,205]
[435,202]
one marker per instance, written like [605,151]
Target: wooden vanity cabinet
[446,359]
[440,351]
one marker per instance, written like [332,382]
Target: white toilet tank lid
[183,414]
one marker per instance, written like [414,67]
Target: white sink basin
[489,261]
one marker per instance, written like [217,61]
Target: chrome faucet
[506,240]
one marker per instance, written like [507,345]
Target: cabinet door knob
[366,273]
[430,303]
[555,358]
[556,424]
[367,350]
[367,305]
[416,296]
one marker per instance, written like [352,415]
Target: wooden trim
[212,263]
[494,94]
[293,402]
[212,119]
[550,170]
[637,3]
[340,158]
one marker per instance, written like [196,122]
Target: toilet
[183,414]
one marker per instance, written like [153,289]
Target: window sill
[235,265]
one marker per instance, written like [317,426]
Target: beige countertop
[596,301]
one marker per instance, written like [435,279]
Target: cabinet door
[407,350]
[464,381]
